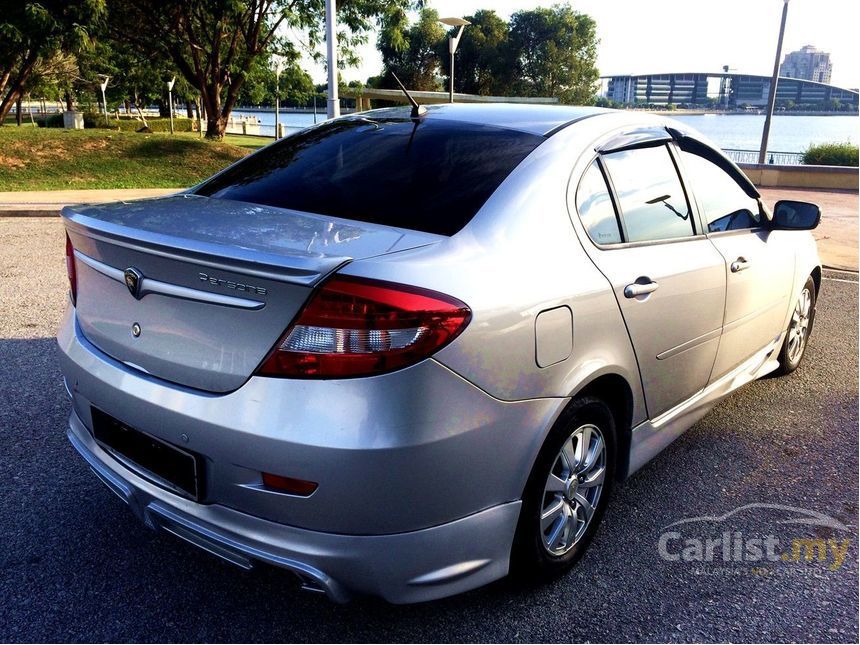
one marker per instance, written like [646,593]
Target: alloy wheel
[798,329]
[573,489]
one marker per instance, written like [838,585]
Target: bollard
[280,133]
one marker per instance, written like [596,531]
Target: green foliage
[831,154]
[541,52]
[124,124]
[294,86]
[485,63]
[556,53]
[605,102]
[215,44]
[34,33]
[412,52]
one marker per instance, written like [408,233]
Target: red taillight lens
[70,269]
[361,327]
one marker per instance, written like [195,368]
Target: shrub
[50,121]
[126,124]
[831,154]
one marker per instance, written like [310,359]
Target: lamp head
[455,22]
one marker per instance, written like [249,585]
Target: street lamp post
[453,43]
[771,102]
[279,65]
[170,85]
[331,45]
[103,86]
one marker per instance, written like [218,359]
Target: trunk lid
[196,290]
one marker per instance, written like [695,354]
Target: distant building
[726,90]
[807,63]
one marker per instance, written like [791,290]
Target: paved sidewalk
[50,202]
[837,235]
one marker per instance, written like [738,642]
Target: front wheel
[799,329]
[567,491]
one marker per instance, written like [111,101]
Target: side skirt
[650,437]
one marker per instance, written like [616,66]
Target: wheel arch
[816,278]
[614,390]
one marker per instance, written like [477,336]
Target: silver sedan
[405,354]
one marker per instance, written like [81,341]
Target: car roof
[539,119]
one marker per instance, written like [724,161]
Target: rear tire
[799,330]
[567,491]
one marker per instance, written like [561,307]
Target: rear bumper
[420,472]
[402,568]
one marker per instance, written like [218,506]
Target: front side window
[429,175]
[651,199]
[724,204]
[594,205]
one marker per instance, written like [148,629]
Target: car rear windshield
[425,175]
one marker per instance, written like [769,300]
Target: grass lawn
[56,159]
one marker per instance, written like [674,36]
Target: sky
[653,36]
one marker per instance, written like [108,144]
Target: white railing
[773,157]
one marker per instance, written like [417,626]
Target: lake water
[737,131]
[787,133]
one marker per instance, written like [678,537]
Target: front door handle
[640,288]
[741,264]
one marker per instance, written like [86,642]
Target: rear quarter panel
[518,257]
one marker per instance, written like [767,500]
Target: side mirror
[795,216]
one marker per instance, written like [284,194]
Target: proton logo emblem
[133,280]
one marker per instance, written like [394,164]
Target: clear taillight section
[361,327]
[70,269]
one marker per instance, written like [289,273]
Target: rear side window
[594,205]
[651,199]
[425,175]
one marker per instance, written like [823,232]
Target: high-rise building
[807,63]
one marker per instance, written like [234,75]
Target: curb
[32,212]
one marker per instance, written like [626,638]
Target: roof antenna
[417,110]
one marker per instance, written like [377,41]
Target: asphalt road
[76,566]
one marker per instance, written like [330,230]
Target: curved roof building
[725,89]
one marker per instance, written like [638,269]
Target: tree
[294,87]
[556,53]
[214,43]
[484,61]
[412,53]
[34,33]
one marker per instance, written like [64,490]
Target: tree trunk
[15,89]
[10,100]
[216,125]
[189,109]
[70,101]
[18,116]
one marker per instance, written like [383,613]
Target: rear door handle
[640,288]
[741,264]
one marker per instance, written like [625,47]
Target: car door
[759,263]
[668,278]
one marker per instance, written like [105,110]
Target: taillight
[361,327]
[70,269]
